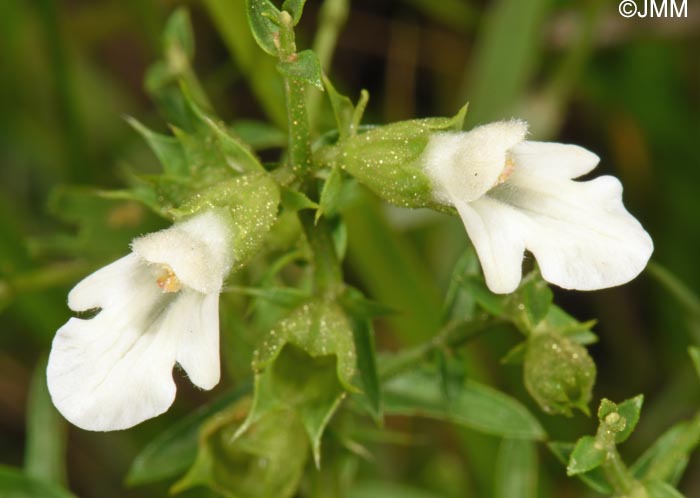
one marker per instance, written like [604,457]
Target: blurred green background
[628,89]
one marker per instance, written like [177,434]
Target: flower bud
[559,373]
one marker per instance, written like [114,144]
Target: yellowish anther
[168,281]
[507,170]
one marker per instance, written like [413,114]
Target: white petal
[198,349]
[498,238]
[198,250]
[115,370]
[580,233]
[465,165]
[552,160]
[99,289]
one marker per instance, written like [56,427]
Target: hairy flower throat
[168,281]
[507,170]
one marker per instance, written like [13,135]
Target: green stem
[327,273]
[295,99]
[328,278]
[332,18]
[616,472]
[452,335]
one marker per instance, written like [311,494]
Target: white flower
[157,306]
[514,195]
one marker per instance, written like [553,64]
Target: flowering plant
[241,280]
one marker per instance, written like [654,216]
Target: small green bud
[388,159]
[559,373]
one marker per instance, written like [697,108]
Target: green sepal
[559,374]
[304,384]
[293,200]
[320,327]
[306,363]
[262,461]
[304,67]
[347,115]
[263,18]
[387,159]
[295,8]
[621,418]
[196,163]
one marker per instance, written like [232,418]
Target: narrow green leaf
[294,200]
[262,15]
[45,450]
[343,109]
[214,137]
[359,111]
[258,134]
[511,31]
[178,36]
[355,303]
[304,68]
[288,297]
[175,449]
[15,484]
[630,409]
[166,148]
[587,455]
[694,353]
[516,470]
[668,456]
[363,333]
[595,479]
[328,204]
[294,7]
[660,489]
[474,405]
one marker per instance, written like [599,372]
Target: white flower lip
[579,231]
[114,371]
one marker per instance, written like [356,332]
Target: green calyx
[387,159]
[559,373]
[250,203]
